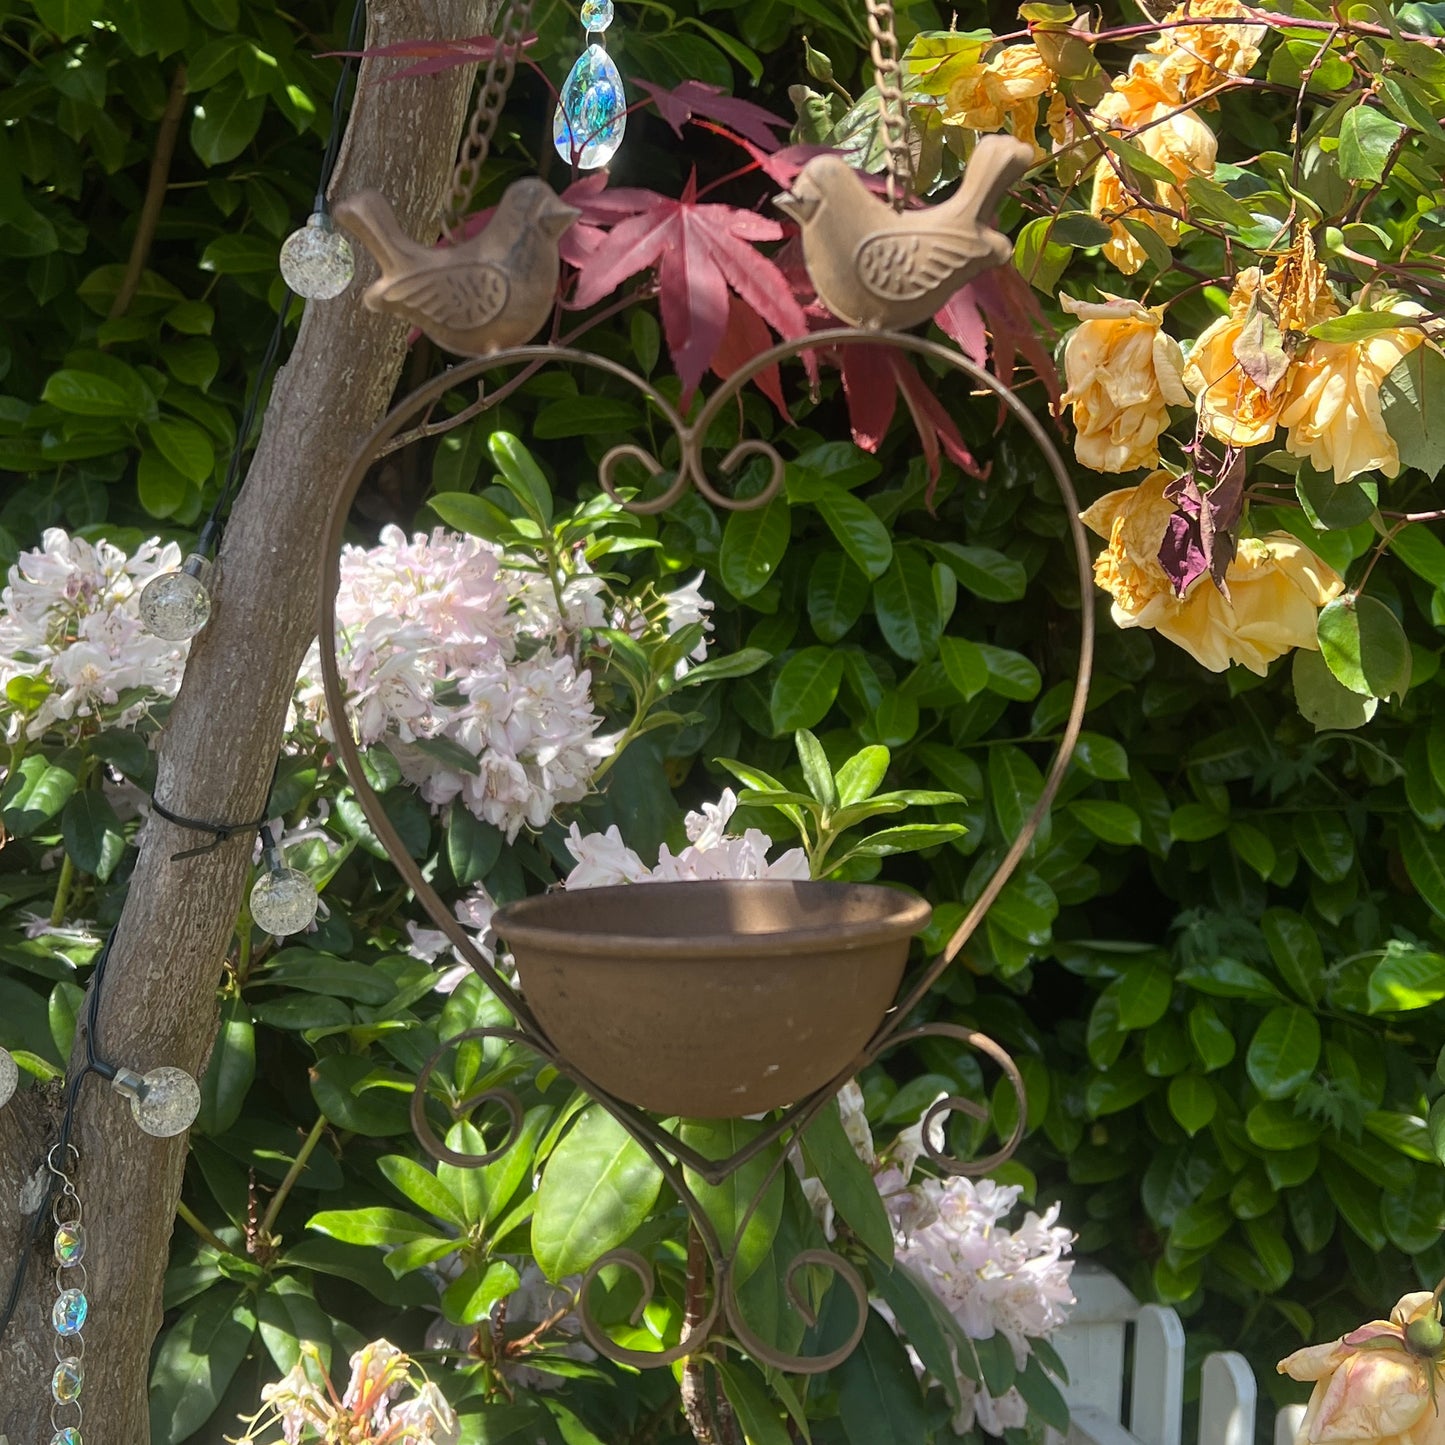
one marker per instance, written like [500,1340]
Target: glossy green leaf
[195,1362]
[231,1070]
[596,1190]
[805,689]
[1284,1051]
[879,1401]
[859,532]
[907,606]
[1365,647]
[849,1182]
[752,546]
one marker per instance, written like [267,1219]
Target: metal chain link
[892,106]
[491,99]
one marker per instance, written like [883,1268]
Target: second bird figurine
[880,269]
[491,291]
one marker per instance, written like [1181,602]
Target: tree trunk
[216,759]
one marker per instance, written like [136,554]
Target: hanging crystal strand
[591,116]
[71,1304]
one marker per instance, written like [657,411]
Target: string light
[165,1101]
[284,900]
[176,605]
[317,261]
[316,264]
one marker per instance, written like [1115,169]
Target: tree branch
[155,197]
[216,760]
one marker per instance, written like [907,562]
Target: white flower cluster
[474,912]
[368,1413]
[440,640]
[70,620]
[712,852]
[950,1234]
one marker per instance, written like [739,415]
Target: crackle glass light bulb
[175,605]
[9,1076]
[317,261]
[165,1101]
[284,902]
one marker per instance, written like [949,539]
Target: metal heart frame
[672,1157]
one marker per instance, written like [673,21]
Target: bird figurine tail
[997,164]
[369,217]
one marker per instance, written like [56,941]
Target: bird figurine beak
[796,208]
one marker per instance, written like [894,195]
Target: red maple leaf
[873,378]
[999,304]
[702,251]
[431,56]
[695,98]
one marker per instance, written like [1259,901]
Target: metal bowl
[712,1000]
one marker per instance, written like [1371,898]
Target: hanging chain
[491,98]
[893,108]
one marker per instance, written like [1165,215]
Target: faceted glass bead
[596,15]
[166,1103]
[69,1244]
[68,1316]
[9,1076]
[591,117]
[317,261]
[284,902]
[65,1383]
[175,605]
[68,1436]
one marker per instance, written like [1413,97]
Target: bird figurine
[880,269]
[491,291]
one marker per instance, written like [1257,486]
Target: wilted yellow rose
[1136,107]
[1232,407]
[1004,92]
[1277,586]
[1111,203]
[1196,58]
[1123,372]
[1332,411]
[1368,1388]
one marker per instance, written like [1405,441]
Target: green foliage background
[1220,969]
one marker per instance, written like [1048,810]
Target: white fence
[1093,1346]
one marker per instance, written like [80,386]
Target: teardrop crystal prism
[68,1436]
[592,114]
[68,1316]
[69,1244]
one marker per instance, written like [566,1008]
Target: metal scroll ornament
[737,997]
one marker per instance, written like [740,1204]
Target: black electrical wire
[93,1064]
[211,530]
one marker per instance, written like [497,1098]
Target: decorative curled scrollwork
[668,1152]
[646,1276]
[792,1364]
[421,1125]
[955,1104]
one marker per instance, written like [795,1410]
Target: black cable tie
[220,832]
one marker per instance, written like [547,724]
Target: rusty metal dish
[717,999]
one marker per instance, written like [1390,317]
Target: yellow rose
[1003,92]
[1232,407]
[1368,1388]
[1123,372]
[1332,411]
[1110,204]
[1196,58]
[1276,586]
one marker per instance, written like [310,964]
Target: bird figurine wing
[906,265]
[462,297]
